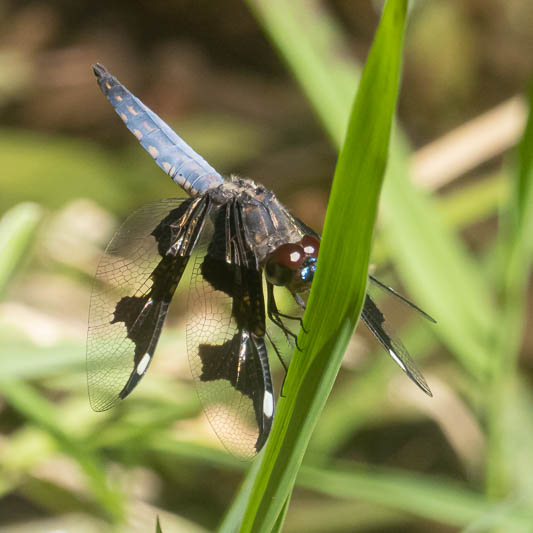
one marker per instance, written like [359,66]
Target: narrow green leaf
[233,518]
[474,202]
[334,305]
[27,401]
[309,39]
[430,498]
[17,228]
[414,234]
[521,201]
[278,526]
[360,400]
[516,250]
[38,361]
[435,265]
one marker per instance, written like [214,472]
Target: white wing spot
[166,166]
[118,98]
[143,364]
[138,134]
[124,117]
[107,85]
[154,152]
[131,109]
[398,360]
[268,405]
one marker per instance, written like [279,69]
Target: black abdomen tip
[100,71]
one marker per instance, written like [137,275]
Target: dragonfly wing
[135,281]
[376,323]
[226,336]
[390,290]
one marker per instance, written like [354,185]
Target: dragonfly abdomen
[186,168]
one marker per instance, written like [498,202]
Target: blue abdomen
[188,169]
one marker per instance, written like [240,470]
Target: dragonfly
[229,238]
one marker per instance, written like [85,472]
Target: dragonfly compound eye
[283,263]
[310,245]
[307,272]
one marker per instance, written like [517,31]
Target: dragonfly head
[293,265]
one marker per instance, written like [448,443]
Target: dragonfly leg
[283,363]
[274,315]
[290,317]
[278,353]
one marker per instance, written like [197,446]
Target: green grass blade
[17,228]
[475,202]
[278,526]
[308,38]
[292,26]
[516,250]
[436,267]
[358,401]
[521,206]
[27,401]
[517,224]
[33,362]
[340,282]
[233,518]
[430,498]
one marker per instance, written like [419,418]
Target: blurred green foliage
[385,458]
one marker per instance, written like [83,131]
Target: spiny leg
[280,357]
[274,314]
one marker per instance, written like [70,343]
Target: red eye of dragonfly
[310,245]
[289,255]
[283,262]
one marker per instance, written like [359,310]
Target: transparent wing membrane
[226,344]
[135,281]
[403,299]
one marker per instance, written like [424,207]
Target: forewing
[377,324]
[403,299]
[225,337]
[135,281]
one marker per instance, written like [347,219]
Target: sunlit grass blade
[475,202]
[359,401]
[233,518]
[340,283]
[517,228]
[522,189]
[516,251]
[292,27]
[17,228]
[436,267]
[309,38]
[29,403]
[34,361]
[430,498]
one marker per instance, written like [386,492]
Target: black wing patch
[375,321]
[225,336]
[135,282]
